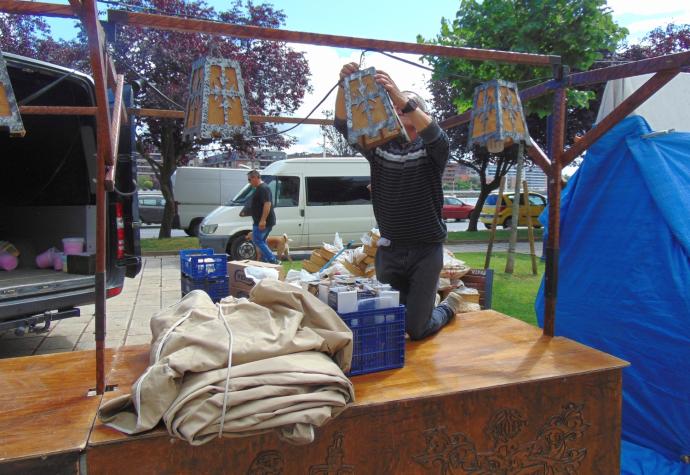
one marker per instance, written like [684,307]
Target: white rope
[227,377]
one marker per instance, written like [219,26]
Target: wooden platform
[488,394]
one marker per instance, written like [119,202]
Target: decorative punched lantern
[371,117]
[216,108]
[9,111]
[497,120]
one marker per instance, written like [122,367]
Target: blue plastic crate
[203,264]
[215,288]
[379,339]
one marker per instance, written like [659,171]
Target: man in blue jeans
[407,195]
[263,216]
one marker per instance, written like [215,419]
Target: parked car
[455,208]
[151,206]
[537,203]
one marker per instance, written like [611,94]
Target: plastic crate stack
[379,339]
[202,269]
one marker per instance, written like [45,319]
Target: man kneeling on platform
[407,195]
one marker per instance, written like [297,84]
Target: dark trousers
[414,271]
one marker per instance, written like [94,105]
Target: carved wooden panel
[554,426]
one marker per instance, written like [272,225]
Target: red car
[454,208]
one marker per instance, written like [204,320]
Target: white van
[200,190]
[313,198]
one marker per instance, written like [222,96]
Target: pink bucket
[8,261]
[45,259]
[74,245]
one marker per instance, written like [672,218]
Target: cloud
[325,63]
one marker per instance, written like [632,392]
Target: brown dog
[279,244]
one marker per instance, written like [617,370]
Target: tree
[660,41]
[30,36]
[275,78]
[336,144]
[580,31]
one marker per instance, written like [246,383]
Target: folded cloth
[288,353]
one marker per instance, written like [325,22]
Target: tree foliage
[275,77]
[336,144]
[31,36]
[660,41]
[580,31]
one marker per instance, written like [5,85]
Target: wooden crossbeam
[207,27]
[22,7]
[624,109]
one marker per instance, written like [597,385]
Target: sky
[390,20]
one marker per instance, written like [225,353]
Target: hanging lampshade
[216,108]
[497,120]
[9,111]
[371,117]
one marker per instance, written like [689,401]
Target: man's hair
[253,173]
[421,103]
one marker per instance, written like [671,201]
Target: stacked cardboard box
[240,284]
[319,258]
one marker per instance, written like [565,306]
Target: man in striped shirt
[407,195]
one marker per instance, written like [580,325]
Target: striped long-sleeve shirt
[406,185]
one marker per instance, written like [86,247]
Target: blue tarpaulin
[624,283]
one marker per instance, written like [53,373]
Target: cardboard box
[240,284]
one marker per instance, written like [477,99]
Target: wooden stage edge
[488,393]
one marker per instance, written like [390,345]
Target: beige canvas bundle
[287,350]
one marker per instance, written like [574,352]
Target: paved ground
[128,314]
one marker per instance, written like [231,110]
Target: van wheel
[193,229]
[487,226]
[241,249]
[508,223]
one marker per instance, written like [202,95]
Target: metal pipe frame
[666,68]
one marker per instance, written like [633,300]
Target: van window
[346,190]
[284,189]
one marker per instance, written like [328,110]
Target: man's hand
[348,69]
[399,99]
[262,225]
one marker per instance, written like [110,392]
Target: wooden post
[552,244]
[530,230]
[104,155]
[492,234]
[515,215]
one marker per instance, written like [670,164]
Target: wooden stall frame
[104,74]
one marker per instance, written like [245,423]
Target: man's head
[254,178]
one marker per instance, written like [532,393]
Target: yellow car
[537,203]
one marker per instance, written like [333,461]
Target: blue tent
[624,283]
